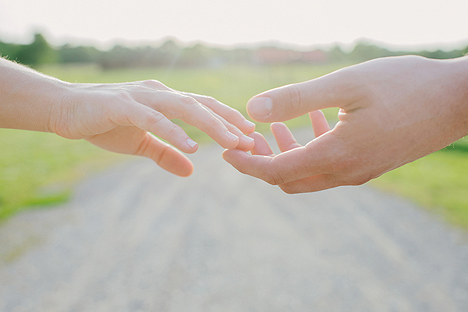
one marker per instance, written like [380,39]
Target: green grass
[40,169]
[438,181]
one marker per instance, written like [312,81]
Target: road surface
[136,238]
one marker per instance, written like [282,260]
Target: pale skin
[125,118]
[392,112]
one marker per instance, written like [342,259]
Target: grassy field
[438,181]
[40,169]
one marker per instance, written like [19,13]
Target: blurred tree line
[170,53]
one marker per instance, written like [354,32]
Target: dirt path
[139,239]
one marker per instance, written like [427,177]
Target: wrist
[27,98]
[57,97]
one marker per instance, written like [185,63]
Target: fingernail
[247,139]
[191,142]
[260,107]
[249,124]
[232,136]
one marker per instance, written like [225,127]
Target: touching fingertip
[191,143]
[275,125]
[249,124]
[232,136]
[247,139]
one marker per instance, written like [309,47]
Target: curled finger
[319,123]
[261,146]
[283,136]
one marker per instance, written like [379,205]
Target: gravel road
[136,238]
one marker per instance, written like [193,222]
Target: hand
[121,117]
[392,111]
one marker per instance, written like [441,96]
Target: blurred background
[229,50]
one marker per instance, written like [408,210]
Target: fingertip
[191,146]
[316,114]
[246,143]
[256,135]
[175,162]
[277,126]
[259,107]
[232,140]
[223,154]
[261,146]
[230,155]
[249,127]
[186,172]
[280,129]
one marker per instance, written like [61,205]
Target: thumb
[333,90]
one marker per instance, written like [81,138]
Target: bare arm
[118,117]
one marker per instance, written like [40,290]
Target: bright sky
[398,23]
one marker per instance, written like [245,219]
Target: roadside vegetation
[438,182]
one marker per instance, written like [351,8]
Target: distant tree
[197,55]
[79,54]
[336,54]
[364,51]
[170,47]
[440,54]
[118,56]
[239,55]
[8,50]
[37,53]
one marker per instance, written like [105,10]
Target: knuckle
[273,176]
[243,170]
[209,100]
[154,117]
[212,102]
[293,97]
[124,95]
[143,147]
[188,101]
[151,83]
[212,121]
[352,77]
[233,114]
[172,130]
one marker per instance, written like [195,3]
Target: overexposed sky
[398,23]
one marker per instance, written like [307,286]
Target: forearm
[463,65]
[456,95]
[27,97]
